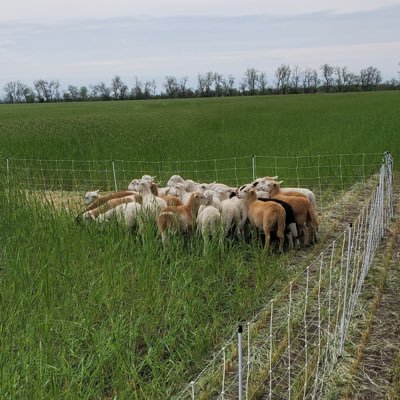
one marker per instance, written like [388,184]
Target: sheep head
[133,185]
[90,197]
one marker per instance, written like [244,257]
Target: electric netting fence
[289,348]
[316,172]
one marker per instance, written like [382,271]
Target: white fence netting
[292,345]
[318,172]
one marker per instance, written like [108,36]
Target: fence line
[317,172]
[293,344]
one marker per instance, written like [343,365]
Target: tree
[171,86]
[262,82]
[250,80]
[73,92]
[282,78]
[137,92]
[228,86]
[296,76]
[101,91]
[327,74]
[118,88]
[205,83]
[182,86]
[370,77]
[25,93]
[47,90]
[218,79]
[83,93]
[10,88]
[310,80]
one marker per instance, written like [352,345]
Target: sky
[88,41]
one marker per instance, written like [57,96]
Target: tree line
[286,80]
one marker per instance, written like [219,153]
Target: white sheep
[212,199]
[128,215]
[152,204]
[209,224]
[174,180]
[234,212]
[183,194]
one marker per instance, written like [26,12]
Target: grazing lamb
[135,182]
[151,203]
[268,216]
[174,180]
[127,215]
[180,219]
[209,221]
[212,199]
[305,215]
[183,194]
[225,193]
[172,200]
[94,200]
[234,213]
[290,222]
[93,213]
[273,187]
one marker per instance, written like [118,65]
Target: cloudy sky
[87,41]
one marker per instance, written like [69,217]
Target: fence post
[240,361]
[253,165]
[115,176]
[343,324]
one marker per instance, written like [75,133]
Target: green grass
[94,314]
[97,314]
[202,128]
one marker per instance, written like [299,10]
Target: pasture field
[101,314]
[198,129]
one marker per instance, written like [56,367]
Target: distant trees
[286,80]
[18,92]
[47,90]
[327,76]
[370,78]
[282,78]
[118,88]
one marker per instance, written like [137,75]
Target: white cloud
[72,9]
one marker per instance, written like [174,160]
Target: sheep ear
[274,177]
[97,191]
[280,182]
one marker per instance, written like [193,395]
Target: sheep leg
[293,231]
[290,240]
[267,238]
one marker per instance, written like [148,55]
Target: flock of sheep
[214,209]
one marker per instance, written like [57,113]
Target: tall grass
[89,313]
[195,129]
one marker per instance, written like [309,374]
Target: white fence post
[253,165]
[240,362]
[115,176]
[343,323]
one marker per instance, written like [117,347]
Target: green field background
[196,129]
